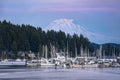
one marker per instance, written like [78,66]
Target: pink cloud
[57,9]
[67,2]
[9,10]
[71,9]
[31,6]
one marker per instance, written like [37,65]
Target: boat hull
[12,64]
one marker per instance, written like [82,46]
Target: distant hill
[109,48]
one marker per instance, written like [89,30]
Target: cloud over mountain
[68,26]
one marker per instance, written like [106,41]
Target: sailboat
[84,60]
[42,62]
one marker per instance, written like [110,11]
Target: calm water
[60,74]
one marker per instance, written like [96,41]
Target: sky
[99,19]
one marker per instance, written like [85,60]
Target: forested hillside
[14,38]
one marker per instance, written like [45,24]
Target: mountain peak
[66,25]
[63,20]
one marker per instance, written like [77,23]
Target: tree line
[15,38]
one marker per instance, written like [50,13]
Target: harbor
[56,49]
[59,39]
[63,60]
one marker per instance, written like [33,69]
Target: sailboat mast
[100,51]
[114,52]
[81,51]
[88,53]
[51,50]
[67,51]
[75,50]
[104,54]
[43,51]
[46,52]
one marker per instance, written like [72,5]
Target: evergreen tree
[28,38]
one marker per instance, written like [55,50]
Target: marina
[59,64]
[61,61]
[60,40]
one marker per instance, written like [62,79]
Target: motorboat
[40,62]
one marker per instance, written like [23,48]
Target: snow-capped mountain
[68,26]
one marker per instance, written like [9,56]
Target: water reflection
[60,74]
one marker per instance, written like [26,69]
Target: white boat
[46,62]
[86,62]
[12,63]
[42,62]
